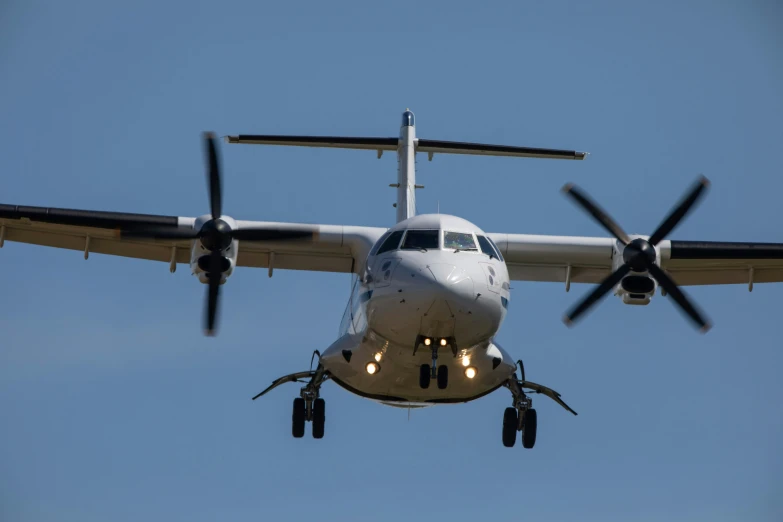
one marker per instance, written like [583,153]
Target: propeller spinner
[215,235]
[639,254]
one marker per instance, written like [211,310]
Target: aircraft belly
[397,382]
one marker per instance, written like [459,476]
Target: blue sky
[115,407]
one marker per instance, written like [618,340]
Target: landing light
[427,341]
[372,368]
[443,342]
[378,357]
[466,361]
[470,372]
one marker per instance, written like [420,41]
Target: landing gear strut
[521,416]
[309,406]
[428,372]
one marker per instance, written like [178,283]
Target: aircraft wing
[330,248]
[589,260]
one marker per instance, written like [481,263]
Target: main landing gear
[428,372]
[309,406]
[313,410]
[521,416]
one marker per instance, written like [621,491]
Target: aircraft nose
[452,280]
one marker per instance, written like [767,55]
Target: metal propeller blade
[213,292]
[679,297]
[679,211]
[597,212]
[593,297]
[213,176]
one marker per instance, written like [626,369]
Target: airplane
[429,293]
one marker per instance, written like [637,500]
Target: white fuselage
[407,294]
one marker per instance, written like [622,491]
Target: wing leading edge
[589,260]
[333,248]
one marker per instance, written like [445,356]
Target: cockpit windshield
[421,239]
[416,239]
[459,241]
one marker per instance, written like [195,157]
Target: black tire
[529,431]
[298,418]
[424,376]
[510,427]
[319,418]
[443,376]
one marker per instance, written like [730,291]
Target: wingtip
[704,181]
[567,188]
[706,328]
[567,321]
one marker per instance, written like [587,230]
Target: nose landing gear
[521,416]
[428,372]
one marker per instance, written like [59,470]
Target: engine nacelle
[199,255]
[636,288]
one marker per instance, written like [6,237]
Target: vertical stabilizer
[406,168]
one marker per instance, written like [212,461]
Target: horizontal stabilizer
[338,142]
[455,147]
[425,146]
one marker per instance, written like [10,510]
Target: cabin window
[421,239]
[391,243]
[459,241]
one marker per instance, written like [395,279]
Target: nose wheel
[427,372]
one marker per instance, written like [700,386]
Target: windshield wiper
[466,250]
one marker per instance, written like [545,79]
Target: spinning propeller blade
[679,212]
[213,176]
[600,215]
[157,232]
[593,297]
[213,291]
[679,297]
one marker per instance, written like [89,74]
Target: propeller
[639,254]
[215,234]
